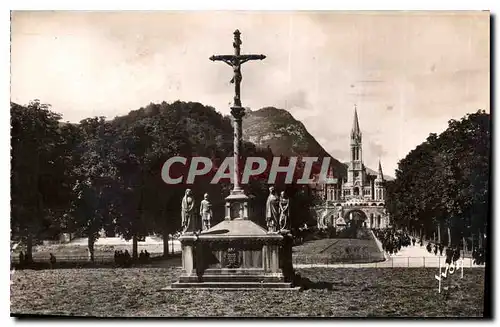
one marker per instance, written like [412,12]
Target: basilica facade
[360,197]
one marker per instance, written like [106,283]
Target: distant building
[360,196]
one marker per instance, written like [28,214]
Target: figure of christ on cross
[235,61]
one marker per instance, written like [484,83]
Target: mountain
[279,130]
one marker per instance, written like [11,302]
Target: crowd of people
[124,259]
[478,256]
[453,253]
[393,240]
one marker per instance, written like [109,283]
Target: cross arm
[245,58]
[228,59]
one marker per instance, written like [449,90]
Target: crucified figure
[235,61]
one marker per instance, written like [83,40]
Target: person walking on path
[52,261]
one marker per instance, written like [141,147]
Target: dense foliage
[442,186]
[106,175]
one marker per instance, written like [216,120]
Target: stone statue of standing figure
[272,211]
[187,211]
[205,212]
[284,210]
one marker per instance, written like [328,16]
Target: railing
[98,258]
[367,262]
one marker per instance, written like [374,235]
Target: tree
[39,175]
[444,182]
[97,186]
[135,145]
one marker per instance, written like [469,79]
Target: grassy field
[337,250]
[383,292]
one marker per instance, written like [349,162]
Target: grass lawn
[383,292]
[336,250]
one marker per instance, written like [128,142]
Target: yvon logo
[449,268]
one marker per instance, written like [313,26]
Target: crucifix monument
[237,201]
[237,252]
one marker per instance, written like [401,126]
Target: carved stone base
[235,254]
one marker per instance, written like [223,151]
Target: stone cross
[235,61]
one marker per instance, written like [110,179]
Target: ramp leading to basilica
[338,250]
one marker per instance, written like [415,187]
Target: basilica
[360,196]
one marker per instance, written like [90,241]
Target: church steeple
[356,139]
[380,174]
[356,173]
[355,132]
[379,184]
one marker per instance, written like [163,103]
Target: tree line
[106,174]
[442,187]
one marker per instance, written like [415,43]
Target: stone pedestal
[235,254]
[188,247]
[236,206]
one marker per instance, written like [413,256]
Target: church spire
[356,132]
[380,174]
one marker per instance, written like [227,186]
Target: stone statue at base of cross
[284,204]
[272,211]
[187,211]
[205,212]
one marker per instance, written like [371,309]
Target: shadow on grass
[306,284]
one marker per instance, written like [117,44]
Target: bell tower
[355,174]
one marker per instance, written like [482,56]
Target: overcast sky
[407,73]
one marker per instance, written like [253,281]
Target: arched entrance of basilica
[355,218]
